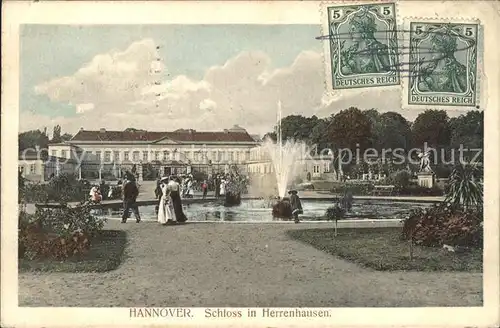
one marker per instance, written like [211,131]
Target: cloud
[82,108]
[120,89]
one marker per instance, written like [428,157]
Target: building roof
[235,135]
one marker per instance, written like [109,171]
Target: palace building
[103,154]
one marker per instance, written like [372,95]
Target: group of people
[103,191]
[170,204]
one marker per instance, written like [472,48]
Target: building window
[107,156]
[98,155]
[316,169]
[125,156]
[231,156]
[54,153]
[116,155]
[32,169]
[63,153]
[145,156]
[219,156]
[157,155]
[135,156]
[214,155]
[326,168]
[165,155]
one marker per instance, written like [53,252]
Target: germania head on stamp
[366,54]
[443,73]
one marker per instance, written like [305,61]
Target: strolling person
[130,193]
[158,193]
[216,183]
[166,212]
[222,188]
[174,187]
[296,205]
[204,188]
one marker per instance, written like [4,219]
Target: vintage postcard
[265,164]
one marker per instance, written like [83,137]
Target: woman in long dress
[166,213]
[174,187]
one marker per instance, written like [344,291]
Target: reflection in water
[260,211]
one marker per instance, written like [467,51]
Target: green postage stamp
[443,67]
[363,45]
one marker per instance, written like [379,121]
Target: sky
[168,77]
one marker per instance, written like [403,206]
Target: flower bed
[57,233]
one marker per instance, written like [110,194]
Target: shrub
[400,179]
[334,213]
[63,188]
[416,190]
[444,224]
[57,233]
[465,187]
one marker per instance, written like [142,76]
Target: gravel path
[217,264]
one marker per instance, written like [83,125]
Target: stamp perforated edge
[326,53]
[480,76]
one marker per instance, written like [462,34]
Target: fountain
[284,157]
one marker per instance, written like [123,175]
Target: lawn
[381,249]
[106,253]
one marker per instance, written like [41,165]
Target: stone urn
[232,199]
[282,209]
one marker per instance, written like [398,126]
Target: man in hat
[130,193]
[295,204]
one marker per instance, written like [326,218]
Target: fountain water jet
[284,158]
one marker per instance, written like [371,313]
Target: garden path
[240,265]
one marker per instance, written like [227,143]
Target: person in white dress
[166,213]
[223,187]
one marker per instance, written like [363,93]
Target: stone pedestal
[426,179]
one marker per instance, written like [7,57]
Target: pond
[260,210]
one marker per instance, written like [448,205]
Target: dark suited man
[130,193]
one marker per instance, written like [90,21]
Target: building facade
[151,154]
[103,154]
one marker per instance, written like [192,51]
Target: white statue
[425,163]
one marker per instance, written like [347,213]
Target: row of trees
[371,129]
[32,138]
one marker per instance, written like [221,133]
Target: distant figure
[95,194]
[130,193]
[174,187]
[102,188]
[204,188]
[189,188]
[222,191]
[217,186]
[296,205]
[158,194]
[166,212]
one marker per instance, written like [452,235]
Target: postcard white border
[16,13]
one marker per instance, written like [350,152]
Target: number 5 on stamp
[443,64]
[363,45]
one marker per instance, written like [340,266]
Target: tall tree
[298,127]
[56,135]
[66,137]
[350,128]
[33,138]
[394,131]
[467,130]
[431,127]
